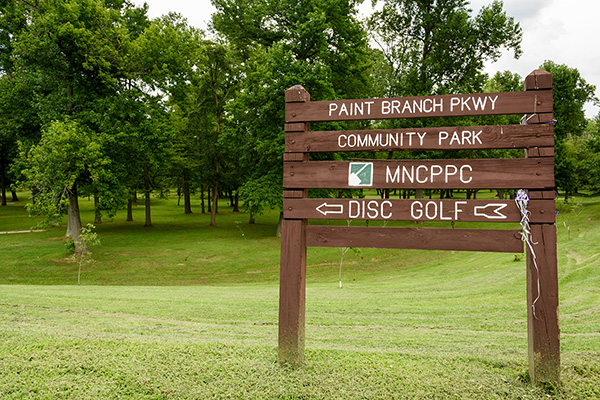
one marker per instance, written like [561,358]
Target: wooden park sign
[535,173]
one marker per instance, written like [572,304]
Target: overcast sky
[564,31]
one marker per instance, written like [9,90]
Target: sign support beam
[292,279]
[543,331]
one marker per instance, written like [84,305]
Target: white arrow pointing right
[479,211]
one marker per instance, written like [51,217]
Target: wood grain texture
[444,138]
[431,106]
[542,311]
[481,174]
[495,240]
[292,289]
[542,211]
[538,80]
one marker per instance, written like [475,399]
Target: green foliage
[570,93]
[505,81]
[260,193]
[583,152]
[319,44]
[438,47]
[86,239]
[68,153]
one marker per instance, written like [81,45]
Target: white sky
[564,31]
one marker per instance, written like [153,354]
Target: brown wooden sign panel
[536,173]
[510,173]
[542,211]
[421,107]
[452,138]
[497,240]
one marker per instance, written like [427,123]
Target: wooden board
[542,211]
[542,312]
[496,240]
[450,138]
[422,106]
[292,288]
[511,173]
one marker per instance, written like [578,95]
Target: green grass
[183,310]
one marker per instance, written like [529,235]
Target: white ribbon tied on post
[522,201]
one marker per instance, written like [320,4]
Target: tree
[67,156]
[317,43]
[216,84]
[584,153]
[437,47]
[570,93]
[166,60]
[74,53]
[18,119]
[592,160]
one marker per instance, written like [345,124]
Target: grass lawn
[182,310]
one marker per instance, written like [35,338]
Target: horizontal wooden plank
[451,138]
[495,240]
[295,194]
[298,127]
[548,194]
[540,152]
[292,157]
[542,211]
[513,173]
[419,107]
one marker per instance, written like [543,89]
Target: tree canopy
[147,106]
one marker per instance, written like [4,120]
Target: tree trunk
[202,198]
[4,203]
[74,221]
[215,195]
[251,221]
[97,213]
[236,202]
[3,181]
[209,198]
[15,198]
[215,199]
[70,105]
[130,208]
[148,222]
[187,200]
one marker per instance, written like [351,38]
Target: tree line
[97,99]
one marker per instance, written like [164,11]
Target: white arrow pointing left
[330,208]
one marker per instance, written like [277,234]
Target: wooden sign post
[534,173]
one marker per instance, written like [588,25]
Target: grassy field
[183,310]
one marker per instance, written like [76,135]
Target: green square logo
[360,174]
